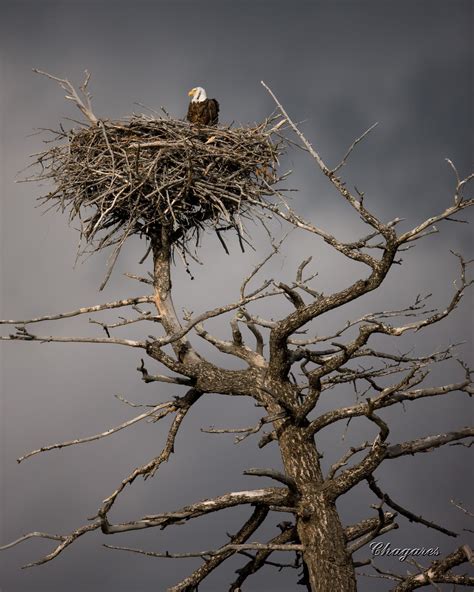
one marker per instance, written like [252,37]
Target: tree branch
[287,535]
[167,408]
[84,310]
[214,557]
[272,474]
[438,572]
[404,512]
[382,402]
[245,431]
[23,334]
[366,526]
[148,470]
[268,496]
[65,542]
[427,443]
[352,146]
[350,477]
[84,105]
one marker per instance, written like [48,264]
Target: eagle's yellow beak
[191,92]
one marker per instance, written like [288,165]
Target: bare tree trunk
[162,250]
[319,527]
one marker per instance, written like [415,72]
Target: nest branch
[83,104]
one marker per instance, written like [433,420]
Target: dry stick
[268,547]
[84,310]
[380,452]
[23,335]
[253,329]
[380,528]
[139,278]
[246,431]
[232,347]
[361,409]
[373,459]
[464,444]
[384,229]
[26,336]
[436,356]
[42,535]
[85,108]
[428,443]
[212,552]
[401,510]
[382,574]
[366,526]
[108,432]
[346,375]
[438,572]
[438,316]
[342,355]
[369,218]
[132,404]
[146,377]
[114,256]
[262,496]
[267,496]
[311,150]
[66,541]
[272,474]
[343,461]
[289,534]
[294,219]
[371,317]
[417,232]
[124,322]
[380,327]
[462,508]
[215,557]
[353,145]
[257,518]
[371,536]
[255,295]
[149,469]
[260,265]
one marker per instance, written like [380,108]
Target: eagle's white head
[198,94]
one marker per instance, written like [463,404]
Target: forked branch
[84,104]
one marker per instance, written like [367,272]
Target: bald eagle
[201,110]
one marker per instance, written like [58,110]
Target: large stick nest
[138,176]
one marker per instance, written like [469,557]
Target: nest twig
[120,178]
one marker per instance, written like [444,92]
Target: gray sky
[337,67]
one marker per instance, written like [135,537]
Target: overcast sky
[337,67]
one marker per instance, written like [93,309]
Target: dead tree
[286,374]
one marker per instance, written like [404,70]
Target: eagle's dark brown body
[203,112]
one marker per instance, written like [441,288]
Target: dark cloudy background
[338,67]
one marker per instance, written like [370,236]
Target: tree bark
[319,528]
[162,293]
